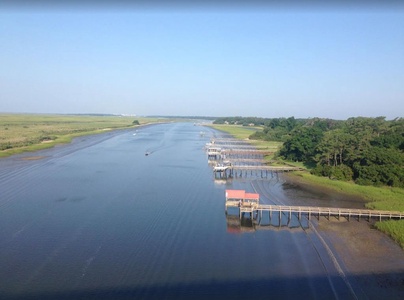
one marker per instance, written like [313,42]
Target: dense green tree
[367,150]
[333,147]
[302,144]
[278,129]
[380,166]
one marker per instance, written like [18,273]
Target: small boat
[147,153]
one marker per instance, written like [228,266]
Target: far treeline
[368,151]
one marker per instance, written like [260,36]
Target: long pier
[269,168]
[217,152]
[309,211]
[226,171]
[245,152]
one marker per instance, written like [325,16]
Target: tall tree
[302,144]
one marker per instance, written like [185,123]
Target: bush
[342,172]
[322,170]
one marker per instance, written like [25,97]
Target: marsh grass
[395,229]
[380,198]
[31,132]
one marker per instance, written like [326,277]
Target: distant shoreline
[29,133]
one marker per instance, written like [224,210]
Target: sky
[260,60]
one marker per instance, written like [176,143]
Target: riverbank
[380,198]
[22,133]
[372,262]
[243,133]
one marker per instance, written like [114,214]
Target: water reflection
[263,220]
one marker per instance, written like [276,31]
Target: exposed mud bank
[372,261]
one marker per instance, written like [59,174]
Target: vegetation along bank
[32,132]
[359,156]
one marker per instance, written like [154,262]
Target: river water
[99,219]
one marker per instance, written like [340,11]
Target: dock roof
[252,196]
[235,194]
[241,194]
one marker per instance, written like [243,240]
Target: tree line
[368,151]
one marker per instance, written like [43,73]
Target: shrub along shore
[381,198]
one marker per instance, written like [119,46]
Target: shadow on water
[264,221]
[279,287]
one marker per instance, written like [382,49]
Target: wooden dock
[311,211]
[245,153]
[249,203]
[239,147]
[228,141]
[268,168]
[235,171]
[218,152]
[246,161]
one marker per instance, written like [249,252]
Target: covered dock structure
[241,199]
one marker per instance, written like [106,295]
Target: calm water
[99,219]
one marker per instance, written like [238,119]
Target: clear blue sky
[332,63]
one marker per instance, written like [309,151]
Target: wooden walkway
[263,171]
[228,141]
[238,161]
[247,152]
[225,153]
[309,211]
[220,167]
[239,147]
[265,168]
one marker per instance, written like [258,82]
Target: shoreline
[30,152]
[296,179]
[377,198]
[372,261]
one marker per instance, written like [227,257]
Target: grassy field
[380,198]
[30,132]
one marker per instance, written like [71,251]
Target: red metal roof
[235,194]
[241,194]
[252,196]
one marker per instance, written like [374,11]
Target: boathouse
[239,198]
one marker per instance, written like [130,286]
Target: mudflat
[372,261]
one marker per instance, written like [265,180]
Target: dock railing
[316,211]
